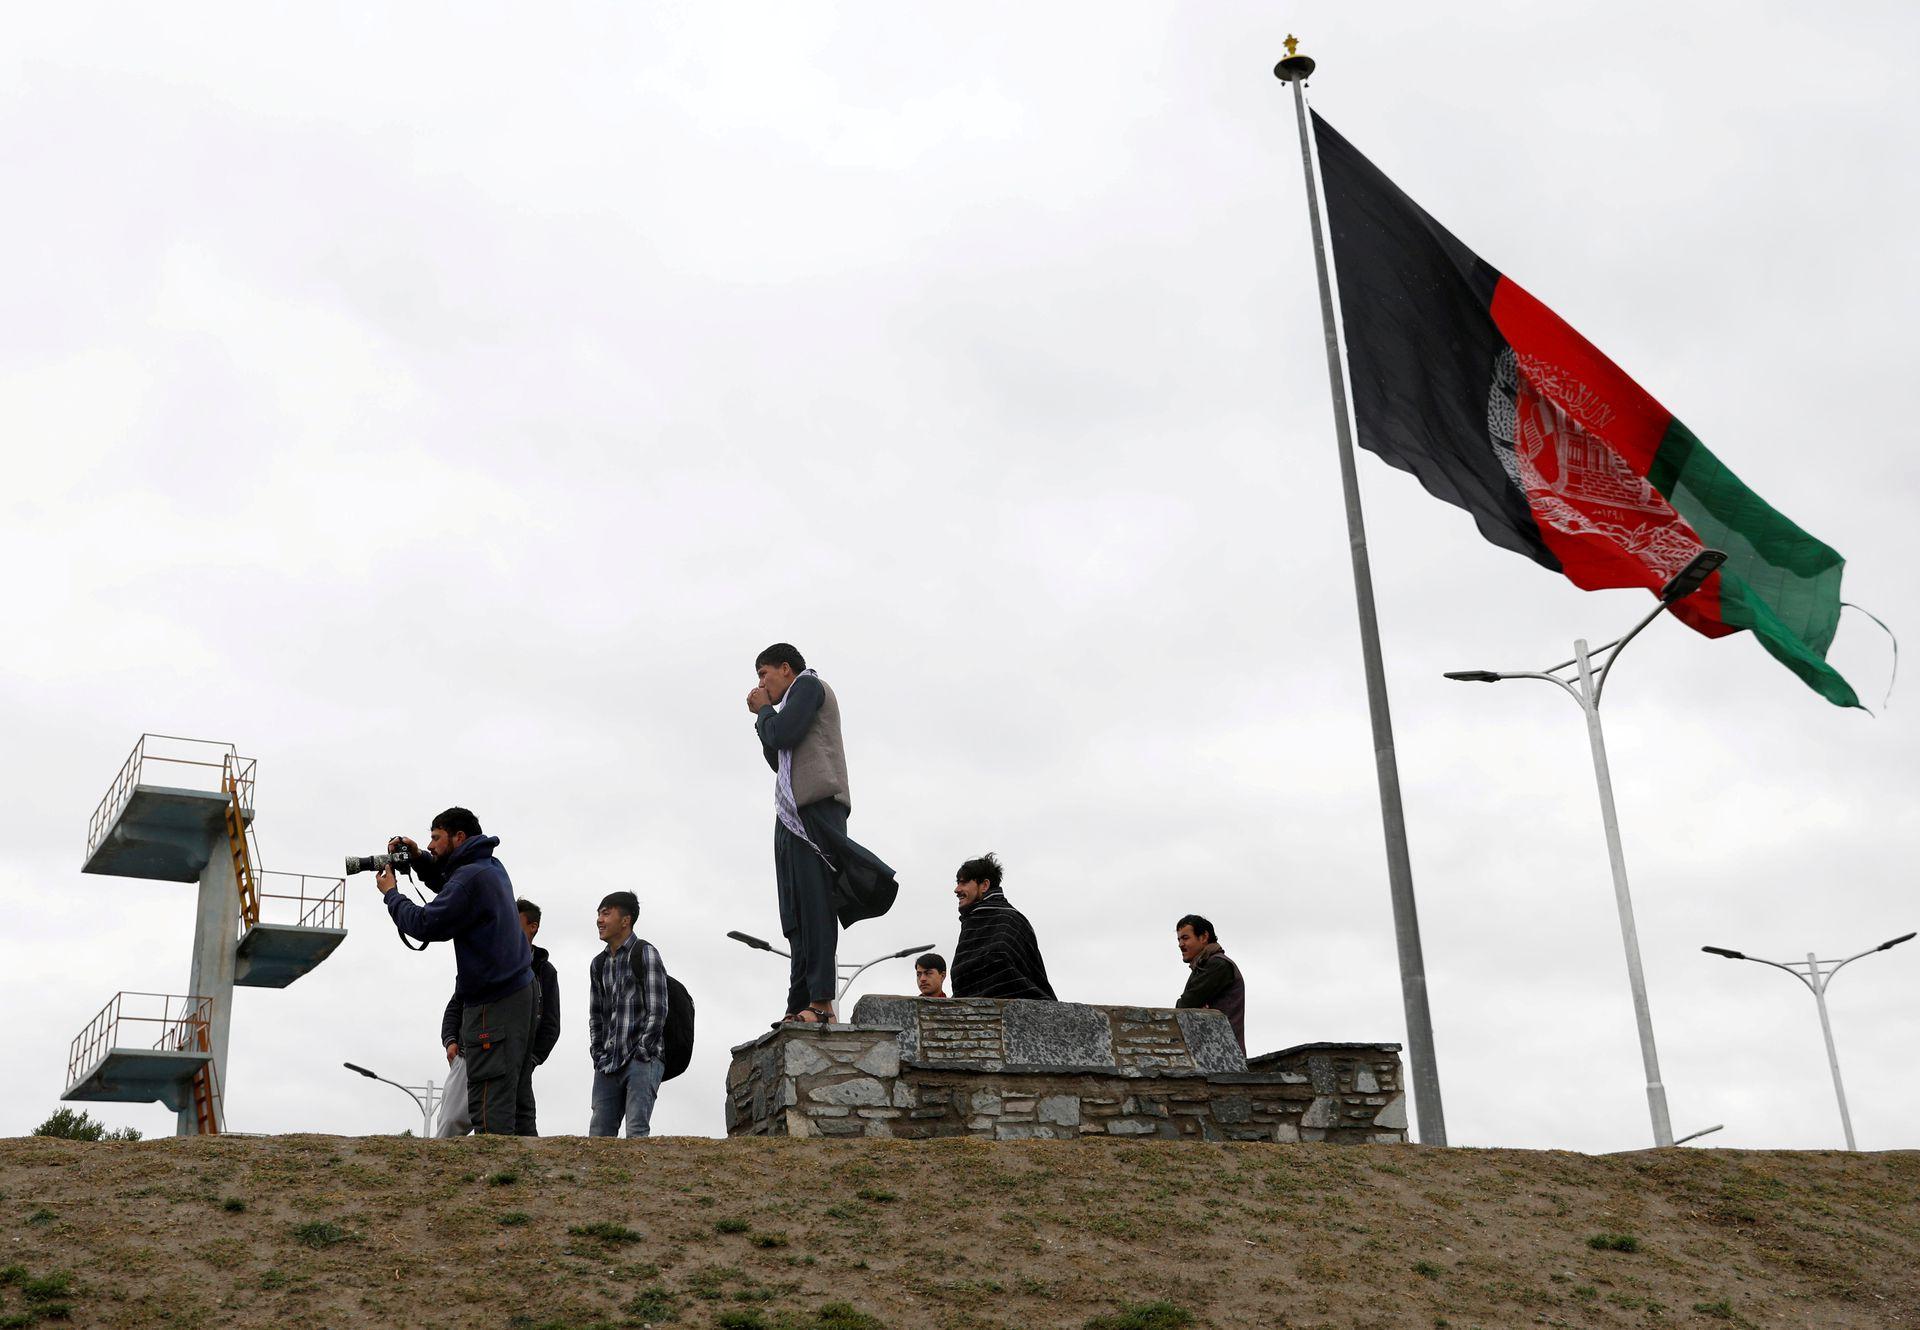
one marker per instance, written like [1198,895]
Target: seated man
[997,955]
[930,974]
[1215,981]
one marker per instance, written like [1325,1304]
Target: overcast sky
[444,405]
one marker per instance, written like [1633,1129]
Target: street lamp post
[426,1106]
[1585,687]
[846,978]
[1816,974]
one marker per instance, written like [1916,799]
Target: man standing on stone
[1214,981]
[997,955]
[798,720]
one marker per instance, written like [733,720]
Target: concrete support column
[215,939]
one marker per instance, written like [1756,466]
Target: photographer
[473,905]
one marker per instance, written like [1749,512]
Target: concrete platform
[163,833]
[141,1076]
[274,955]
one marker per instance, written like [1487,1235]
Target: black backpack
[676,1041]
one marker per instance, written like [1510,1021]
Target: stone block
[904,1096]
[1364,1082]
[825,1111]
[1394,1115]
[1232,1110]
[1130,1127]
[1060,1109]
[1012,1131]
[981,1123]
[1285,1132]
[882,1060]
[864,1092]
[984,1101]
[1321,1113]
[873,1113]
[1057,1034]
[803,1059]
[797,1125]
[1210,1040]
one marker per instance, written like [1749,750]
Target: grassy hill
[779,1235]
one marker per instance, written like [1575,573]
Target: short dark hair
[622,900]
[781,653]
[456,820]
[1199,924]
[984,869]
[933,960]
[529,909]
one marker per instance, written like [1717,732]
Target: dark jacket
[1215,982]
[545,1035]
[997,955]
[473,905]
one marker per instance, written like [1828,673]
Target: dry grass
[815,1235]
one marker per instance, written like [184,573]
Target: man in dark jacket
[546,1030]
[1214,980]
[997,955]
[499,1001]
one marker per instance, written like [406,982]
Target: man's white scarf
[783,802]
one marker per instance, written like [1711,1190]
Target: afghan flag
[1497,406]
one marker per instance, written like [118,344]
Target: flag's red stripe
[1635,423]
[1585,436]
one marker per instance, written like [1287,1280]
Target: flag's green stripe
[1778,581]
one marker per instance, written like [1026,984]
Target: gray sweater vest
[820,759]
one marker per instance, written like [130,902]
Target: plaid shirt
[625,1018]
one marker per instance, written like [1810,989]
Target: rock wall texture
[913,1068]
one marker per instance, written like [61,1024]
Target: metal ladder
[206,1097]
[237,847]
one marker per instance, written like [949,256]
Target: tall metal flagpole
[1406,918]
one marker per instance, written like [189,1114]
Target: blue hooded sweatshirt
[475,907]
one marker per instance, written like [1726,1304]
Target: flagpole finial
[1295,66]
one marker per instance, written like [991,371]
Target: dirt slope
[326,1231]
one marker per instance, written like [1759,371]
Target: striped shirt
[625,1017]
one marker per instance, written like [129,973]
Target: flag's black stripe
[1421,344]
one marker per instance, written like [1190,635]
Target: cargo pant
[496,1039]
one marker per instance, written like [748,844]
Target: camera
[400,861]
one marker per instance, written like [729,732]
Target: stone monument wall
[912,1068]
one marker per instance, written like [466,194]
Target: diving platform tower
[181,810]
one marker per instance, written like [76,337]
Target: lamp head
[750,940]
[1905,937]
[1722,951]
[1473,676]
[362,1070]
[1689,579]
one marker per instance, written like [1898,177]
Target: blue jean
[631,1089]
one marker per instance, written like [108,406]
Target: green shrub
[46,1289]
[769,1240]
[506,1177]
[233,1205]
[607,1231]
[320,1233]
[1614,1242]
[512,1219]
[67,1125]
[1426,1269]
[1144,1316]
[730,1226]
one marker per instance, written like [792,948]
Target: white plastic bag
[453,1119]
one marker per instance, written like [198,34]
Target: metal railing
[187,763]
[313,901]
[182,1022]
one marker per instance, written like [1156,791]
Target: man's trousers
[806,903]
[496,1039]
